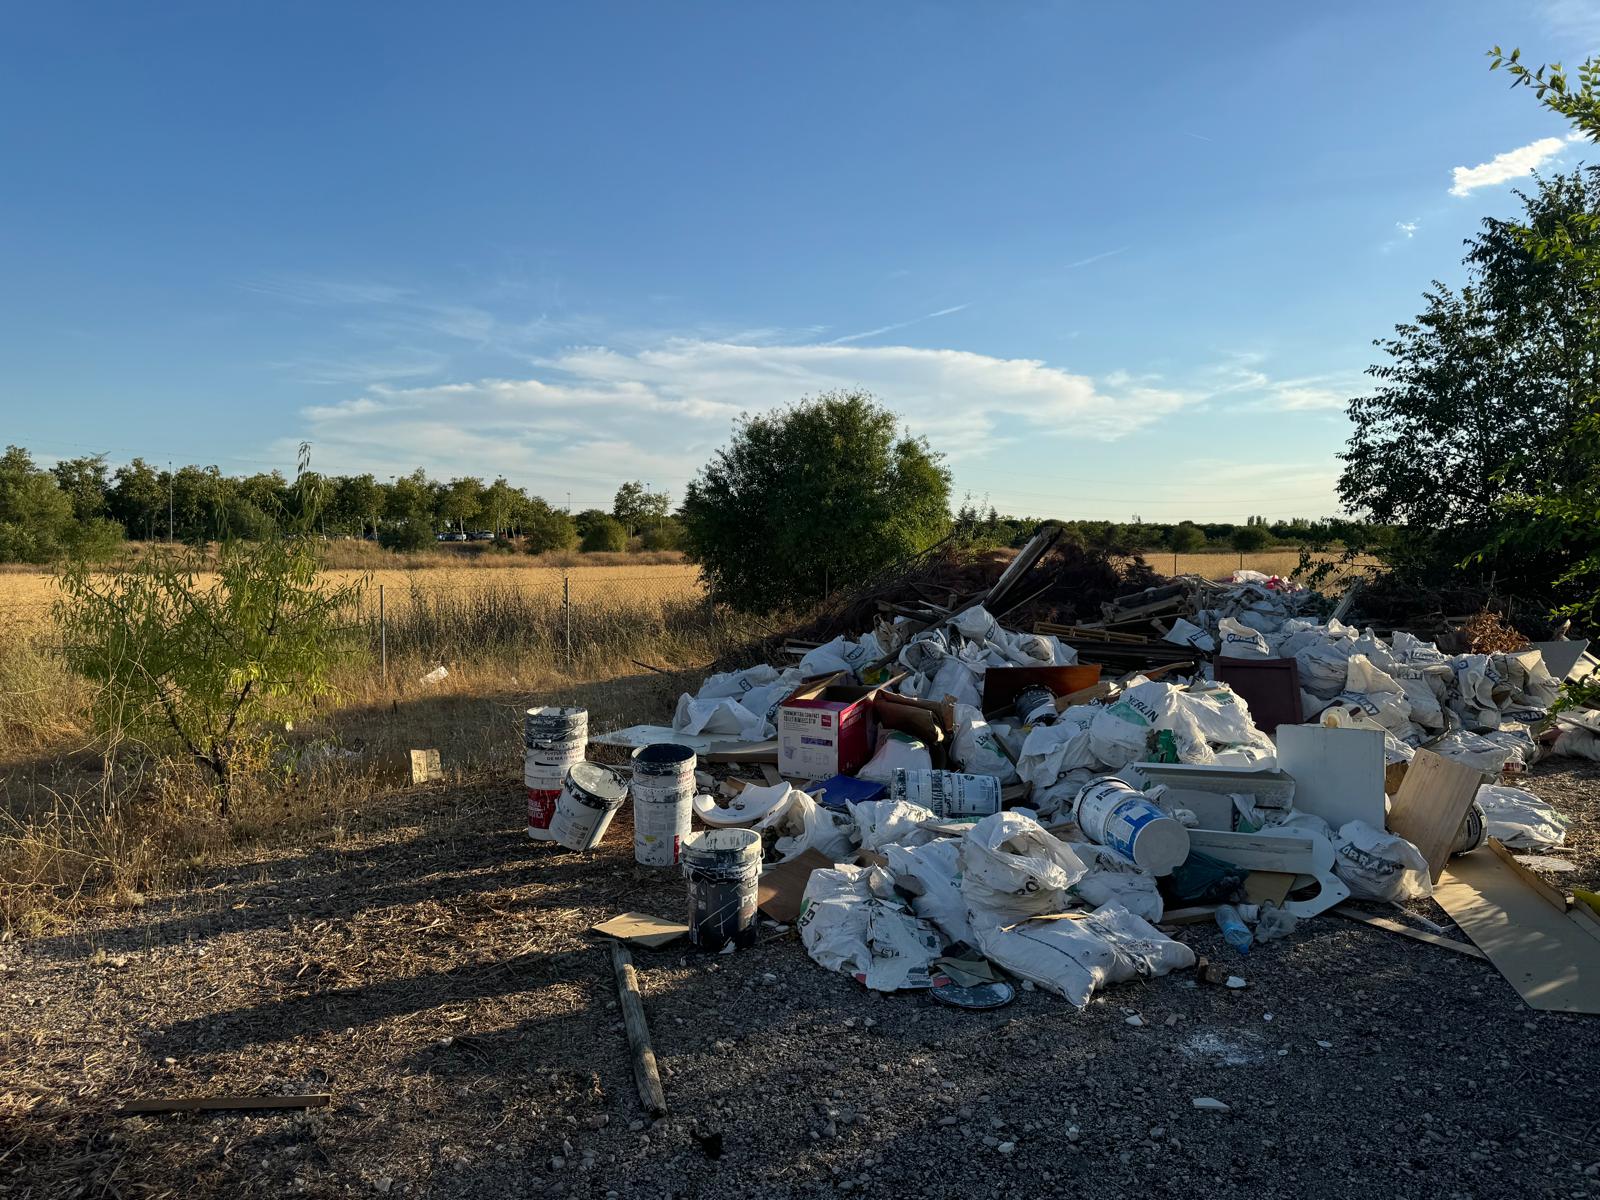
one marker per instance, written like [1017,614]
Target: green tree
[138,499]
[1248,539]
[812,497]
[187,661]
[588,519]
[87,483]
[1480,399]
[461,502]
[355,503]
[408,513]
[547,529]
[638,508]
[1185,538]
[35,514]
[605,534]
[665,533]
[500,504]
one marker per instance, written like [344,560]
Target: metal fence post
[566,604]
[383,638]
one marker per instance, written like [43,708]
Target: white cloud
[857,337]
[1408,229]
[1513,164]
[606,414]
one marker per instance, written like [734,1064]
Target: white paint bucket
[1116,814]
[554,741]
[589,799]
[663,801]
[947,793]
[723,867]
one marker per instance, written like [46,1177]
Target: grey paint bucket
[589,799]
[554,741]
[947,793]
[1114,813]
[663,801]
[723,867]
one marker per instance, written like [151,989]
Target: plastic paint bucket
[554,741]
[947,793]
[589,799]
[1035,704]
[1116,814]
[723,867]
[541,807]
[663,801]
[1473,832]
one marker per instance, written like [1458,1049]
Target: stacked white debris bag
[950,659]
[1255,601]
[1208,722]
[1113,879]
[741,705]
[1520,820]
[841,654]
[931,873]
[851,921]
[1378,865]
[977,747]
[1015,879]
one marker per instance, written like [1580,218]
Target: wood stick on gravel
[168,1104]
[645,1073]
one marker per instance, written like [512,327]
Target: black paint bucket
[723,867]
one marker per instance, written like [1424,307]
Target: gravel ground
[433,971]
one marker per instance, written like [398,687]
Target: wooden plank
[1544,954]
[1432,802]
[1421,935]
[1559,900]
[646,1075]
[169,1104]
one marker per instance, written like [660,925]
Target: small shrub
[605,534]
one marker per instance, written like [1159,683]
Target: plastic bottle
[1234,930]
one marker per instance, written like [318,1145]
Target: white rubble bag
[1377,865]
[1075,955]
[1187,633]
[733,684]
[1113,879]
[977,748]
[1011,869]
[896,750]
[1049,751]
[1520,819]
[723,716]
[881,823]
[846,928]
[1237,640]
[933,872]
[841,654]
[806,825]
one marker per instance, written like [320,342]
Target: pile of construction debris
[953,800]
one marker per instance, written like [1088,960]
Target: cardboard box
[825,728]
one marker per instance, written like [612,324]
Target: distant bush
[549,529]
[605,534]
[665,535]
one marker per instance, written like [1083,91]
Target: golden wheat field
[26,596]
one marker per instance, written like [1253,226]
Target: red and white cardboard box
[825,729]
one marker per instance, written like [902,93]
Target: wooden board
[781,888]
[168,1104]
[1552,962]
[641,929]
[1421,935]
[1430,805]
[425,766]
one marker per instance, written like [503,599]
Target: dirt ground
[432,971]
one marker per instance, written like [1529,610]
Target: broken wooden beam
[646,1075]
[171,1104]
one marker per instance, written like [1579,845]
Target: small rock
[1136,1020]
[1325,1045]
[1157,1132]
[597,1121]
[1172,1019]
[1208,1104]
[384,1185]
[1007,1147]
[171,1062]
[1235,982]
[947,1121]
[558,1163]
[991,1141]
[1027,985]
[635,1126]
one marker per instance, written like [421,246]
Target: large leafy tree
[139,499]
[813,497]
[1479,396]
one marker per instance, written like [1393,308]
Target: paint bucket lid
[662,759]
[596,786]
[983,995]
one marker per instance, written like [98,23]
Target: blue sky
[1112,260]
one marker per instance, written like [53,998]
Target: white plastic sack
[845,928]
[956,679]
[933,872]
[806,825]
[1472,750]
[1576,742]
[1120,732]
[1074,957]
[1379,866]
[736,683]
[1186,633]
[1237,640]
[1113,879]
[841,654]
[723,716]
[977,749]
[895,751]
[1049,751]
[1011,869]
[1520,819]
[880,823]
